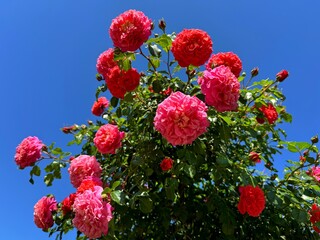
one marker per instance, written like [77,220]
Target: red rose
[315,216]
[99,106]
[252,200]
[282,75]
[192,47]
[254,157]
[228,59]
[166,164]
[89,183]
[119,81]
[270,113]
[67,203]
[106,62]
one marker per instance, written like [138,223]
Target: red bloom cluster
[166,164]
[254,157]
[99,106]
[252,200]
[130,30]
[119,81]
[282,75]
[106,62]
[192,47]
[228,59]
[315,216]
[269,112]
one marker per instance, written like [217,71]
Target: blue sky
[48,52]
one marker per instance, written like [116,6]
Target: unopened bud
[315,139]
[162,24]
[254,72]
[44,148]
[306,153]
[83,126]
[282,75]
[99,77]
[274,176]
[191,73]
[152,26]
[90,122]
[71,158]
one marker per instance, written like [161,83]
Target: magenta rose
[130,30]
[181,118]
[221,88]
[28,152]
[82,167]
[92,213]
[108,139]
[106,62]
[43,212]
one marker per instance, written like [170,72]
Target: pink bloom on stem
[181,118]
[252,200]
[108,139]
[130,30]
[92,213]
[254,157]
[99,106]
[221,88]
[28,152]
[192,47]
[120,82]
[315,173]
[228,59]
[166,164]
[82,167]
[106,62]
[43,212]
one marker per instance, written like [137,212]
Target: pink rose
[108,139]
[82,167]
[315,173]
[221,88]
[28,152]
[99,106]
[228,59]
[192,47]
[120,82]
[181,118]
[130,30]
[92,213]
[43,212]
[106,62]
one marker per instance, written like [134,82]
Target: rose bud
[282,75]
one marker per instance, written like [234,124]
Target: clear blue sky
[48,51]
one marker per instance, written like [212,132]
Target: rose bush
[174,155]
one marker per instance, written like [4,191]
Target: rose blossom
[221,88]
[192,47]
[82,167]
[269,112]
[99,106]
[166,164]
[228,59]
[42,214]
[92,213]
[108,138]
[282,75]
[28,152]
[66,204]
[315,216]
[130,30]
[254,157]
[315,173]
[120,81]
[181,118]
[252,200]
[89,183]
[106,62]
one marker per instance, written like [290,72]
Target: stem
[146,57]
[168,66]
[189,80]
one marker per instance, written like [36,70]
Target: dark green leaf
[145,204]
[114,101]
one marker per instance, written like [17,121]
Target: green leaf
[154,50]
[48,179]
[223,160]
[156,86]
[189,170]
[145,204]
[36,171]
[118,196]
[300,215]
[115,184]
[114,101]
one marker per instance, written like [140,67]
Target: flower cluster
[228,59]
[221,88]
[82,167]
[181,118]
[108,139]
[28,152]
[99,106]
[130,30]
[252,200]
[43,212]
[192,47]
